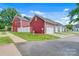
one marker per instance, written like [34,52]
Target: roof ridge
[48,20]
[21,18]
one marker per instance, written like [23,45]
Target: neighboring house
[76,27]
[42,25]
[20,24]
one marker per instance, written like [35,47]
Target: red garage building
[20,24]
[42,25]
[37,24]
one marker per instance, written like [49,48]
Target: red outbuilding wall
[37,25]
[25,23]
[19,22]
[15,24]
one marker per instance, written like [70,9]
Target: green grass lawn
[5,40]
[34,37]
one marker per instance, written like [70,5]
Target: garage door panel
[49,30]
[24,29]
[56,29]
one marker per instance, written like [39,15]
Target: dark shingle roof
[28,18]
[49,20]
[22,18]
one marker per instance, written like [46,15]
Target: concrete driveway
[68,46]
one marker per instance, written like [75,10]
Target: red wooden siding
[25,23]
[14,29]
[19,23]
[15,24]
[37,26]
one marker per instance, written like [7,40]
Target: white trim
[20,23]
[45,27]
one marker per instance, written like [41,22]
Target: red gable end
[19,22]
[37,25]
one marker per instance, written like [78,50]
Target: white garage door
[24,29]
[61,28]
[56,28]
[49,30]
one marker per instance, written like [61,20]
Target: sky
[55,11]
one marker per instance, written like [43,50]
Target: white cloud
[0,9]
[55,16]
[66,9]
[75,16]
[23,15]
[64,22]
[37,12]
[65,18]
[67,22]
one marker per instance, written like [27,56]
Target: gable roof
[21,18]
[49,20]
[28,18]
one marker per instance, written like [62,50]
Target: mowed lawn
[5,40]
[34,37]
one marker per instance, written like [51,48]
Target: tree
[69,27]
[74,12]
[2,25]
[7,15]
